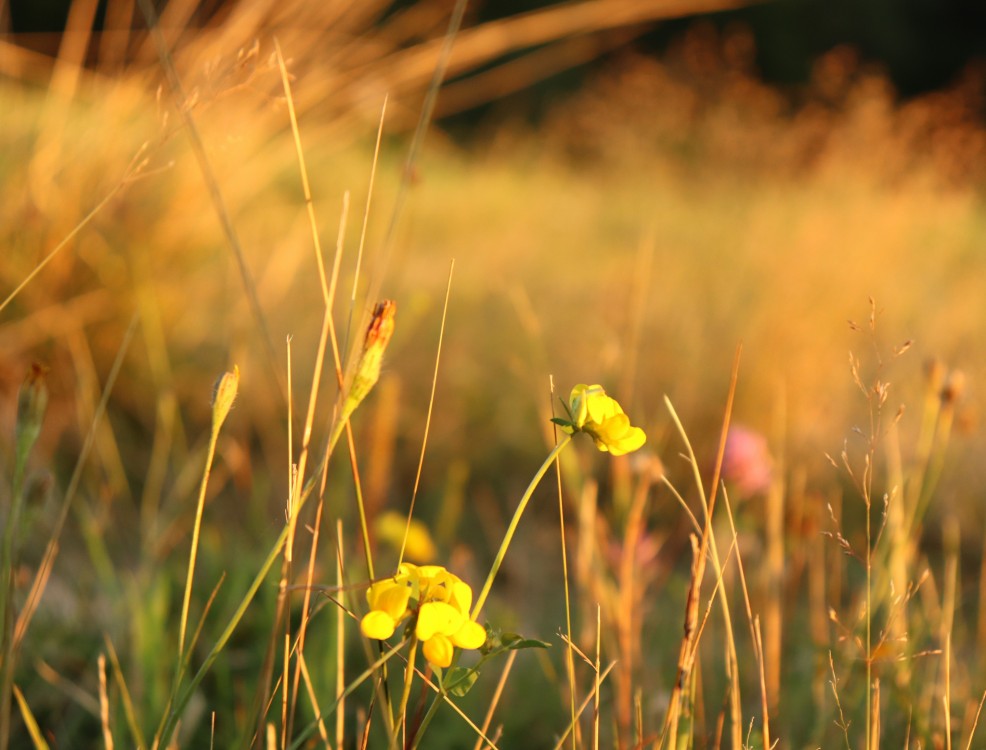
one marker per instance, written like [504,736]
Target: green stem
[179,700]
[412,654]
[497,562]
[508,537]
[429,715]
[7,602]
[193,553]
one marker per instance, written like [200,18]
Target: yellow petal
[461,597]
[630,442]
[390,597]
[431,572]
[437,617]
[438,650]
[600,406]
[470,635]
[377,625]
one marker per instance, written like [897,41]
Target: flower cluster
[436,603]
[596,414]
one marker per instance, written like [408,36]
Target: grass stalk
[412,655]
[340,724]
[431,406]
[514,522]
[37,737]
[225,393]
[104,704]
[569,650]
[707,548]
[754,623]
[495,699]
[597,669]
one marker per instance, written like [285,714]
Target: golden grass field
[803,266]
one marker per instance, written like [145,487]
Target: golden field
[673,216]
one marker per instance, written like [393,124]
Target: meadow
[782,288]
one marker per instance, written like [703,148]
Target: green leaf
[499,642]
[461,680]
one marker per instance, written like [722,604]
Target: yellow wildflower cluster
[601,417]
[437,603]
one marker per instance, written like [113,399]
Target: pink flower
[747,463]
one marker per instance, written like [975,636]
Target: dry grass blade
[133,171]
[29,721]
[214,190]
[407,70]
[128,704]
[975,722]
[753,621]
[701,551]
[495,700]
[51,550]
[104,704]
[431,406]
[590,698]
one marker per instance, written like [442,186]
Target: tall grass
[673,209]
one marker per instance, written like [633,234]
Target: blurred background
[630,190]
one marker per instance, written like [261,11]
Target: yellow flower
[388,601]
[436,601]
[390,528]
[601,417]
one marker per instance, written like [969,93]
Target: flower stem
[412,653]
[508,537]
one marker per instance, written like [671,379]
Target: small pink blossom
[747,464]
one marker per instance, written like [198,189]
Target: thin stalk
[412,654]
[497,562]
[7,584]
[340,643]
[597,669]
[869,625]
[497,694]
[707,547]
[196,529]
[32,400]
[570,651]
[512,528]
[170,721]
[431,406]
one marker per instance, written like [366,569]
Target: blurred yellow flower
[601,417]
[436,601]
[390,527]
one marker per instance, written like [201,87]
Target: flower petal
[437,617]
[630,442]
[390,597]
[378,625]
[438,650]
[470,635]
[461,597]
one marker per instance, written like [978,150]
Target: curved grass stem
[514,522]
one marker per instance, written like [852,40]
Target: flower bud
[367,371]
[32,401]
[223,396]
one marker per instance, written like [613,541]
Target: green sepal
[515,642]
